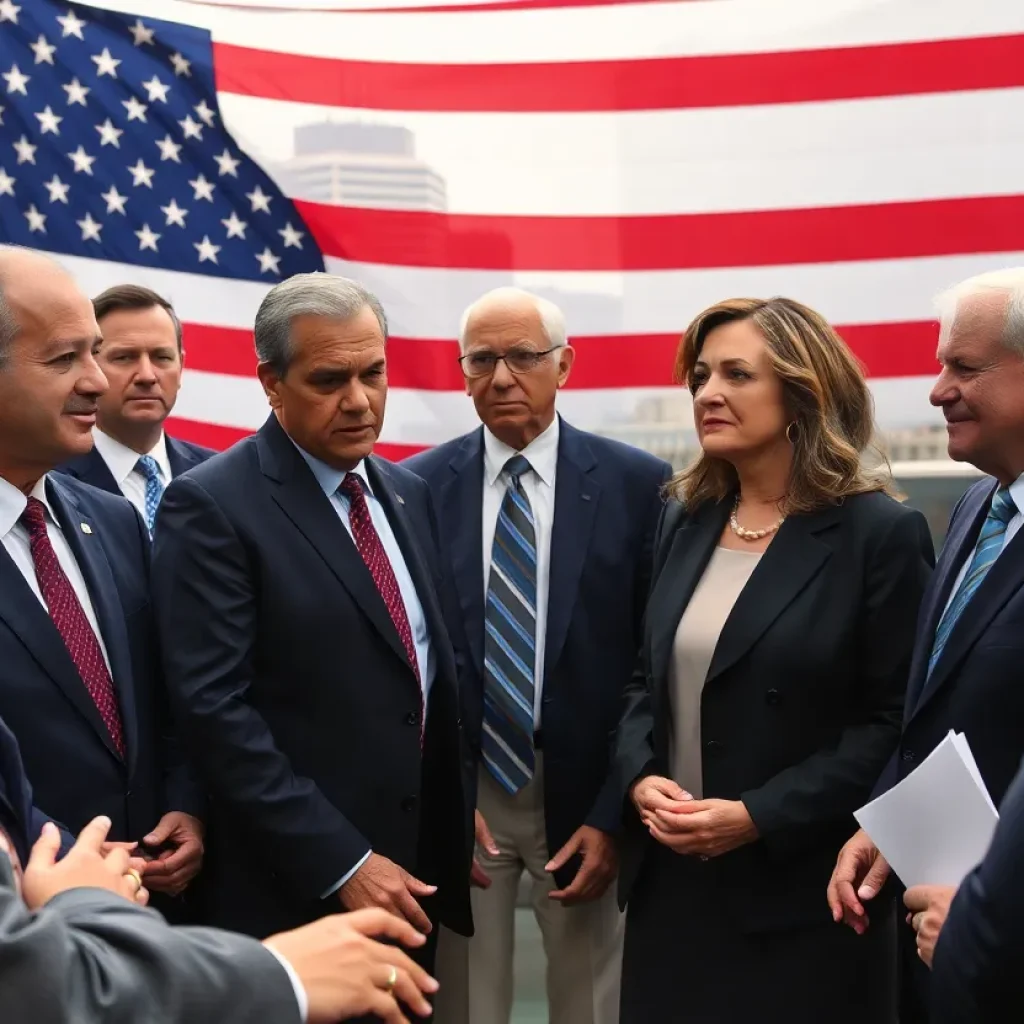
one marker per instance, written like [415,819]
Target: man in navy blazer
[80,683]
[547,534]
[142,356]
[966,672]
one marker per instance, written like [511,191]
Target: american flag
[634,162]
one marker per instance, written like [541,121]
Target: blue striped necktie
[510,637]
[150,469]
[990,543]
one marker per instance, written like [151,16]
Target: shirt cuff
[300,991]
[337,885]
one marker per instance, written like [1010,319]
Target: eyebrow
[732,361]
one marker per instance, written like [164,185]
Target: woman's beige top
[696,639]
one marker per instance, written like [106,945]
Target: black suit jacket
[75,770]
[92,468]
[977,963]
[607,504]
[296,692]
[18,817]
[801,706]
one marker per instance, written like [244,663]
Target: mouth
[711,423]
[354,430]
[145,398]
[85,418]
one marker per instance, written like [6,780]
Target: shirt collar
[121,459]
[13,503]
[541,453]
[330,478]
[1017,493]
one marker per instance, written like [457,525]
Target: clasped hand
[706,828]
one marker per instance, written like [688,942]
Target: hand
[345,972]
[858,876]
[707,828]
[7,847]
[929,905]
[174,869]
[86,865]
[484,839]
[598,870]
[654,793]
[382,883]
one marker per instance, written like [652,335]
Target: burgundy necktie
[372,550]
[71,621]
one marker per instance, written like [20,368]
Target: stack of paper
[934,826]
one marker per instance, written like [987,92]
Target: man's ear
[271,384]
[565,360]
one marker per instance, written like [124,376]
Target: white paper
[934,826]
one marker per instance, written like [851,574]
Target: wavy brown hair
[827,399]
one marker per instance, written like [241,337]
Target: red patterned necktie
[372,550]
[71,621]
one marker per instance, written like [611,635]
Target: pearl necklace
[751,535]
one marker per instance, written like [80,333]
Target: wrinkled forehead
[504,328]
[48,305]
[978,319]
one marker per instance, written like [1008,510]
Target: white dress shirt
[16,541]
[122,460]
[542,454]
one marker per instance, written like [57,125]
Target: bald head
[504,304]
[28,279]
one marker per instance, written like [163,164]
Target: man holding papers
[966,673]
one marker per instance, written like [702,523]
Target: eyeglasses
[519,360]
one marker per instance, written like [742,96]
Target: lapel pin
[400,499]
[86,528]
[585,497]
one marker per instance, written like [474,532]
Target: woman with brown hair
[778,638]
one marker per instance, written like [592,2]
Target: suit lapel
[576,498]
[92,469]
[181,460]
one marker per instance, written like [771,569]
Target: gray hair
[1010,282]
[9,327]
[318,294]
[552,319]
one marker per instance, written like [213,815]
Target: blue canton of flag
[112,147]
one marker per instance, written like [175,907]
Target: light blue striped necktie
[510,637]
[150,469]
[990,544]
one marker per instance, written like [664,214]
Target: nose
[944,390]
[710,394]
[93,382]
[354,398]
[503,377]
[145,374]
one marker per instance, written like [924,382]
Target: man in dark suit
[549,531]
[317,684]
[141,355]
[966,672]
[80,685]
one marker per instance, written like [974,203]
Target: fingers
[375,922]
[484,837]
[411,981]
[874,879]
[563,856]
[118,861]
[46,847]
[165,828]
[413,913]
[93,836]
[479,877]
[416,887]
[384,1007]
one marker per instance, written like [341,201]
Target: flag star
[259,200]
[235,227]
[207,250]
[181,66]
[109,135]
[203,188]
[205,114]
[268,261]
[192,129]
[43,50]
[76,92]
[71,25]
[16,80]
[141,174]
[90,228]
[114,200]
[48,122]
[6,183]
[36,220]
[105,63]
[8,11]
[169,149]
[291,236]
[25,150]
[175,214]
[141,34]
[82,160]
[147,238]
[58,190]
[227,164]
[136,109]
[156,89]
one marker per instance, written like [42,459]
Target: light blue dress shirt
[330,480]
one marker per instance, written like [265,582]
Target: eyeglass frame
[504,359]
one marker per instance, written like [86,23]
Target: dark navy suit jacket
[92,468]
[75,770]
[607,503]
[18,818]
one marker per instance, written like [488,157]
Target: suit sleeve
[93,958]
[832,783]
[206,600]
[606,814]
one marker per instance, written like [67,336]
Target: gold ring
[132,873]
[392,980]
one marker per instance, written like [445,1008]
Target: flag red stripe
[635,361]
[691,241]
[662,83]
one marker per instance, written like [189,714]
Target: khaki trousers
[582,945]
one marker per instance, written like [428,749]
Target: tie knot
[149,468]
[351,486]
[34,517]
[517,466]
[1004,508]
